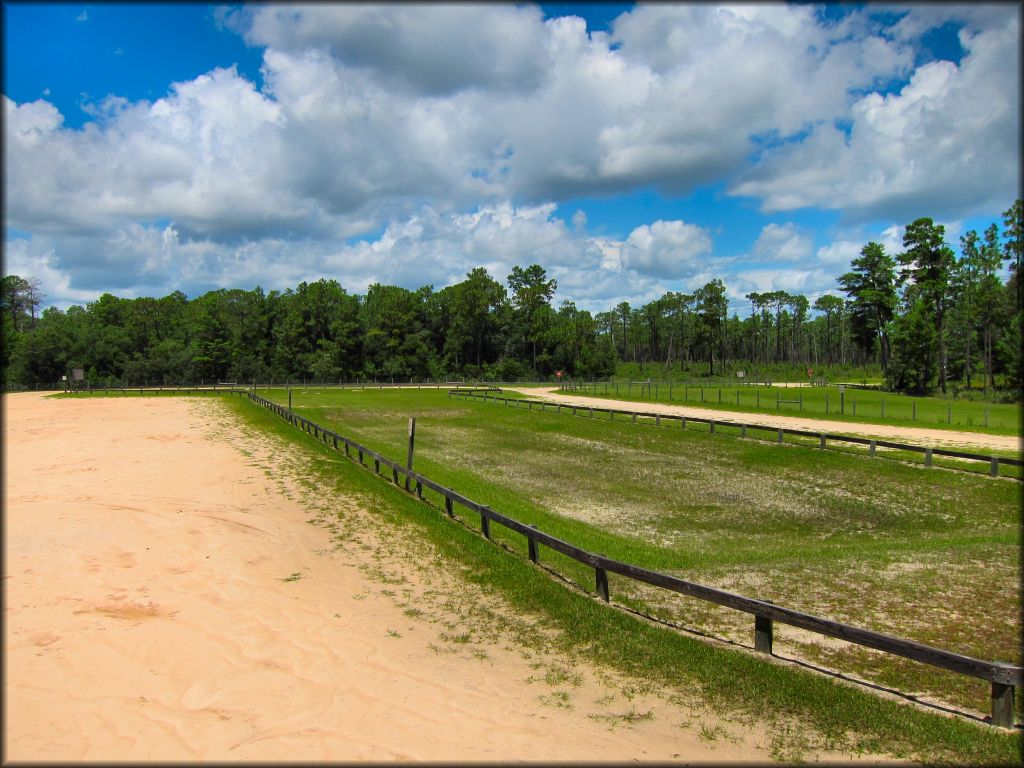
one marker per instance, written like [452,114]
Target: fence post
[763,634]
[711,427]
[1002,705]
[993,468]
[743,430]
[821,439]
[871,448]
[485,522]
[448,506]
[780,435]
[531,544]
[682,422]
[601,582]
[927,457]
[408,455]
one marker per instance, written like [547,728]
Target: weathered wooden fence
[1004,678]
[994,462]
[208,389]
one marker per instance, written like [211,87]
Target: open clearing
[174,592]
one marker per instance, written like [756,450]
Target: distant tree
[1013,231]
[913,342]
[474,313]
[397,340]
[623,314]
[531,295]
[799,306]
[19,299]
[677,310]
[712,307]
[928,264]
[831,306]
[871,286]
[42,355]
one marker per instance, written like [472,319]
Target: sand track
[913,435]
[166,599]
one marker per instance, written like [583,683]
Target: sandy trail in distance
[914,435]
[166,600]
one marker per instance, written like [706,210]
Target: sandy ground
[165,599]
[912,435]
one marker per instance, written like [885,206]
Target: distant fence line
[1004,678]
[84,386]
[651,389]
[994,462]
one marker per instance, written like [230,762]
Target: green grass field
[924,554]
[867,406]
[878,544]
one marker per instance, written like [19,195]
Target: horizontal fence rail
[994,462]
[1004,678]
[190,389]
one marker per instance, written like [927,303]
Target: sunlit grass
[730,681]
[705,506]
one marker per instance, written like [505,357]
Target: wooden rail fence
[994,462]
[1004,678]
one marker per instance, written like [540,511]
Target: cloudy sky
[629,150]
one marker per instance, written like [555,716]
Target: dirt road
[913,435]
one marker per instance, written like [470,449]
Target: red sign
[559,374]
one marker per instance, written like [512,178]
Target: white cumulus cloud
[668,249]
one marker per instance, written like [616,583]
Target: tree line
[927,317]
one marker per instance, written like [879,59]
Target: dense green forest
[927,318]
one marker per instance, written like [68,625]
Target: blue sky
[152,148]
